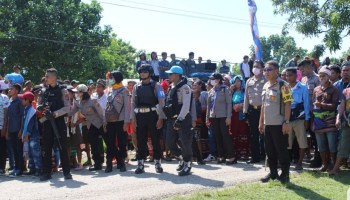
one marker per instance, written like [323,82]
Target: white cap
[80,88]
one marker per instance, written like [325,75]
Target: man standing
[179,123]
[293,62]
[224,69]
[335,73]
[190,64]
[344,82]
[300,114]
[163,66]
[245,70]
[310,79]
[4,104]
[147,115]
[274,122]
[251,62]
[54,95]
[252,108]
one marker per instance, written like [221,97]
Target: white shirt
[246,70]
[155,66]
[102,100]
[4,103]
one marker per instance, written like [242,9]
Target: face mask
[212,82]
[111,81]
[77,96]
[256,71]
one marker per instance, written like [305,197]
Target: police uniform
[252,108]
[219,108]
[94,115]
[145,98]
[276,142]
[59,106]
[117,99]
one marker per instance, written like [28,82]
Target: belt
[255,107]
[144,110]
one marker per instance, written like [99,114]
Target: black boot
[96,167]
[180,166]
[284,177]
[316,161]
[186,170]
[158,166]
[68,176]
[45,177]
[273,175]
[140,167]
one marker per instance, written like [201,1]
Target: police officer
[95,118]
[252,108]
[118,118]
[310,79]
[179,120]
[274,122]
[54,94]
[147,116]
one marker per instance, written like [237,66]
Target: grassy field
[307,185]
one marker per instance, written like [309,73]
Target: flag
[254,28]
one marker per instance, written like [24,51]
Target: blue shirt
[300,94]
[162,74]
[32,126]
[224,70]
[15,115]
[340,85]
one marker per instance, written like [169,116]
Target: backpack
[111,113]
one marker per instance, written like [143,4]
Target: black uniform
[56,99]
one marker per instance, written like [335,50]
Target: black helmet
[146,67]
[142,54]
[216,76]
[117,75]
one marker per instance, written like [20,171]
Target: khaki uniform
[184,98]
[253,92]
[271,97]
[121,103]
[223,103]
[92,111]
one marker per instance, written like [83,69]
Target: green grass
[307,185]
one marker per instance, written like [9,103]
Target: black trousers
[224,142]
[17,146]
[146,124]
[49,139]
[95,140]
[115,133]
[3,150]
[276,144]
[254,134]
[185,135]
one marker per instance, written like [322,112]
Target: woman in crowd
[219,112]
[95,119]
[325,98]
[118,118]
[239,127]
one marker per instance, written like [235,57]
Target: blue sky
[210,39]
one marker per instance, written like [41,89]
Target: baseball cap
[80,88]
[27,95]
[74,82]
[175,70]
[101,82]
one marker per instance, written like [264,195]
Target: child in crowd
[31,135]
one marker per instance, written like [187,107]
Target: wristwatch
[286,122]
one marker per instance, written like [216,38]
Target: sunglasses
[269,69]
[143,71]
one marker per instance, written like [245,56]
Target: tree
[279,47]
[312,18]
[64,34]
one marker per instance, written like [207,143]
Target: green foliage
[314,17]
[317,51]
[280,47]
[64,34]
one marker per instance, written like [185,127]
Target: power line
[196,12]
[184,15]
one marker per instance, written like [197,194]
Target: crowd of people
[261,113]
